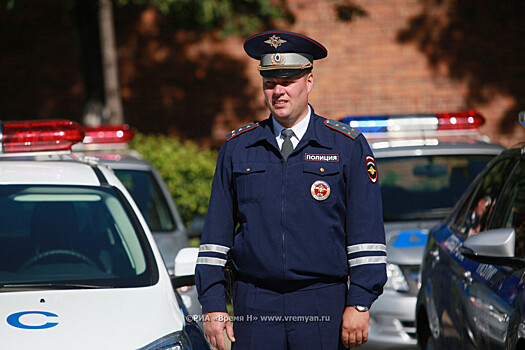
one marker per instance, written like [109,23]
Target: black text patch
[321,157]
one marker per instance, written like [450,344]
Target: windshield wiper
[54,285]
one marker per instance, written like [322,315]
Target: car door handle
[434,254]
[467,279]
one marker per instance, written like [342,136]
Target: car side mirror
[184,268]
[495,247]
[197,225]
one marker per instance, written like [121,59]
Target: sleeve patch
[371,168]
[241,130]
[342,128]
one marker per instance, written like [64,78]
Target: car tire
[425,339]
[430,343]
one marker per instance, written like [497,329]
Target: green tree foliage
[241,17]
[186,168]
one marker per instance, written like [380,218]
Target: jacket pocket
[320,179]
[249,181]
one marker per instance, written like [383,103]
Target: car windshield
[147,194]
[425,187]
[70,235]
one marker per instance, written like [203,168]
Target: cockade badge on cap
[278,59]
[275,41]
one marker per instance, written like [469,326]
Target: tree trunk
[86,17]
[110,64]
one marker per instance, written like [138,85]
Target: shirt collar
[298,129]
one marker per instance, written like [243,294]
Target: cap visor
[282,73]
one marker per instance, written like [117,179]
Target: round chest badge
[320,190]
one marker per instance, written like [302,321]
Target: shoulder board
[342,128]
[241,130]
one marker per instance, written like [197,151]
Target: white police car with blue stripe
[79,267]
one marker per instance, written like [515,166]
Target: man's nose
[278,89]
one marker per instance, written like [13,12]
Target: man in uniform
[296,208]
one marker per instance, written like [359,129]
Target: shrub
[186,168]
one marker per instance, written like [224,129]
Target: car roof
[396,147]
[54,168]
[54,172]
[119,159]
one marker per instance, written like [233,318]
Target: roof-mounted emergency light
[426,124]
[108,134]
[39,135]
[460,121]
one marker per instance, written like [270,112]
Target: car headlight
[174,341]
[396,278]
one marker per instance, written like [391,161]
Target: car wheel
[430,343]
[424,335]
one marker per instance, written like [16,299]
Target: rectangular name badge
[321,157]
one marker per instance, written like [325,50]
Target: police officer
[296,208]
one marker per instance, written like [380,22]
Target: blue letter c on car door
[14,320]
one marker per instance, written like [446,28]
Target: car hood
[120,318]
[405,241]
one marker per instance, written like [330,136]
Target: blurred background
[177,67]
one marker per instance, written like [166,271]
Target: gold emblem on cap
[277,59]
[275,41]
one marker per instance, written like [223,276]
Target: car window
[473,216]
[147,194]
[425,187]
[69,234]
[510,213]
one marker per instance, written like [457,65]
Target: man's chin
[282,119]
[280,113]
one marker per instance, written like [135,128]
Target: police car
[425,162]
[78,263]
[472,278]
[108,144]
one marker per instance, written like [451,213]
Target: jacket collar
[313,135]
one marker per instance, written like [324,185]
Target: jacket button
[322,170]
[248,169]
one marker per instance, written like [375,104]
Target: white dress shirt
[298,130]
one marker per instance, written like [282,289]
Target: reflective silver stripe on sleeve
[214,248]
[366,247]
[367,260]
[211,261]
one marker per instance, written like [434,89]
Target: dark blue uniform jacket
[264,217]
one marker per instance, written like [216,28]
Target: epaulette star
[342,128]
[241,130]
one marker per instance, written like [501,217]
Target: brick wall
[404,56]
[370,71]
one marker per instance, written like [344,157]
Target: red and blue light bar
[39,135]
[422,123]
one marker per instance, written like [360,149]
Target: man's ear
[310,81]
